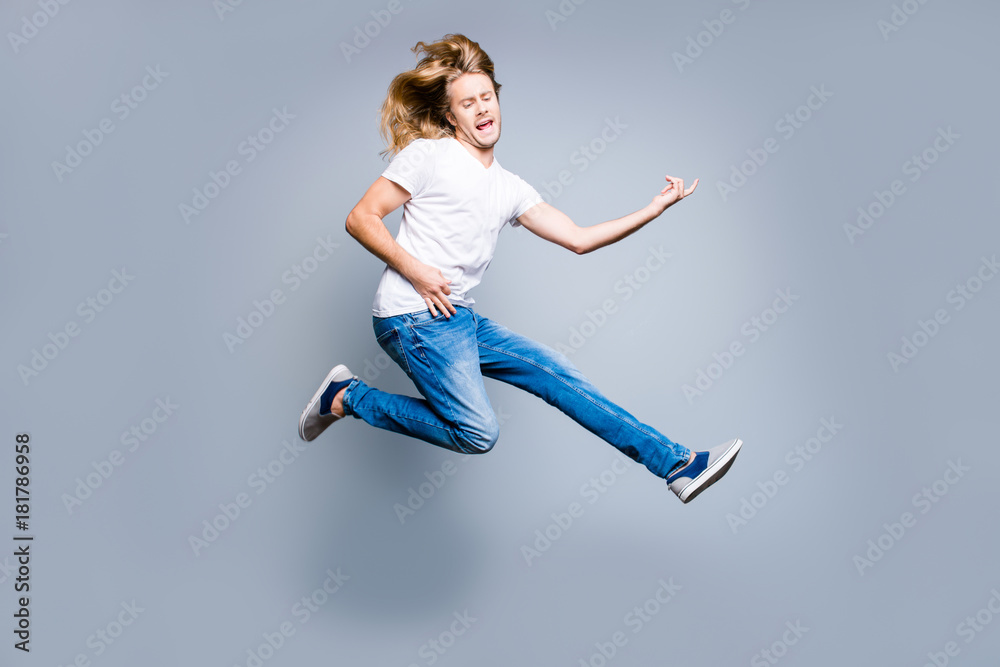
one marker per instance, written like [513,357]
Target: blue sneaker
[317,416]
[702,469]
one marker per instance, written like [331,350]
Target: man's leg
[441,357]
[550,375]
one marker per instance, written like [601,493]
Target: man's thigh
[513,358]
[441,357]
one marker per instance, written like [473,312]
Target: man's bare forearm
[606,233]
[371,232]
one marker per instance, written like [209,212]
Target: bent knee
[481,439]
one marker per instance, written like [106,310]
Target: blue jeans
[447,358]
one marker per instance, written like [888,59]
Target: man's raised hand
[672,193]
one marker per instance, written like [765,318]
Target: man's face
[473,103]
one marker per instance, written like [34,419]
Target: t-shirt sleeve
[526,197]
[413,167]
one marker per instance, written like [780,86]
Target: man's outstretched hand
[671,194]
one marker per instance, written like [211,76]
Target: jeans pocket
[424,318]
[393,346]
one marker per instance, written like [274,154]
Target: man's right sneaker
[311,422]
[703,469]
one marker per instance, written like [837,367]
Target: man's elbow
[579,243]
[352,222]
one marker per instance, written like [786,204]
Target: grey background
[162,337]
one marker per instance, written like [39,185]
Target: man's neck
[484,155]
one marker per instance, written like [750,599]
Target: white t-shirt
[456,210]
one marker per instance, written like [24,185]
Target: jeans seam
[394,332]
[437,381]
[344,401]
[446,429]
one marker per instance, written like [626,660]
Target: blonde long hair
[418,99]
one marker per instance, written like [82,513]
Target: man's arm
[553,225]
[365,224]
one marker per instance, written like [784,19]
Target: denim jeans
[447,358]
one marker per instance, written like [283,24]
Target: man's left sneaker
[703,469]
[312,423]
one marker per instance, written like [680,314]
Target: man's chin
[491,143]
[480,142]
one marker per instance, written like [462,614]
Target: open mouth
[485,126]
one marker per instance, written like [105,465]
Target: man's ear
[450,118]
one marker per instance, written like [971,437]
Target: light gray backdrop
[858,524]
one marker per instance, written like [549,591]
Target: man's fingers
[447,308]
[675,186]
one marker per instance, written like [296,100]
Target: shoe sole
[714,472]
[316,397]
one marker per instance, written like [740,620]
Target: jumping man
[442,121]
